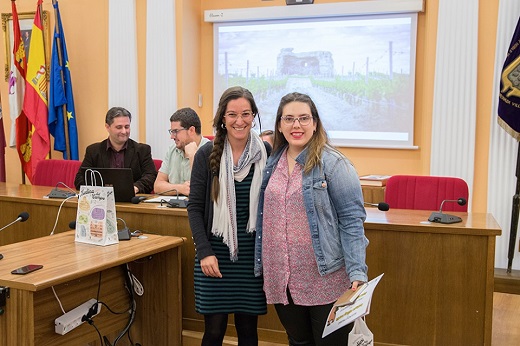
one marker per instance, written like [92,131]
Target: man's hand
[190,149]
[184,188]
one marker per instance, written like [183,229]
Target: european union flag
[509,97]
[61,94]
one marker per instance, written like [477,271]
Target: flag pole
[514,216]
[60,59]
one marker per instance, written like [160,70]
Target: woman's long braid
[214,161]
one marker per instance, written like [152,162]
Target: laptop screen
[121,179]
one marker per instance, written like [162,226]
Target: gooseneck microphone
[381,205]
[440,217]
[22,217]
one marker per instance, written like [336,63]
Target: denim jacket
[335,212]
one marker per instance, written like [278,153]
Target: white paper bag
[360,335]
[96,221]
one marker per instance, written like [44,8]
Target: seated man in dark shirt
[119,151]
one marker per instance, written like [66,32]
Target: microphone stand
[1,229]
[177,202]
[446,218]
[22,217]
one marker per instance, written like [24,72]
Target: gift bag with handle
[360,335]
[96,221]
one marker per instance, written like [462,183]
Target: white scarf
[224,210]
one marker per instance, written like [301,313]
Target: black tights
[304,324]
[215,328]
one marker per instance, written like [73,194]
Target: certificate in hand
[351,305]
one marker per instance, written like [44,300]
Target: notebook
[121,179]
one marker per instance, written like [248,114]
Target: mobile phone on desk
[27,269]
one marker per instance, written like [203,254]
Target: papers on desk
[351,305]
[164,198]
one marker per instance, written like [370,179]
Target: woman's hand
[356,284]
[209,266]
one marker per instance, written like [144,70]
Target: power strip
[67,322]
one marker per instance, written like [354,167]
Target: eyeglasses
[245,115]
[175,132]
[303,120]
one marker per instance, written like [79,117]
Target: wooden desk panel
[75,270]
[438,281]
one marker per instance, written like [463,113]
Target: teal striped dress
[238,291]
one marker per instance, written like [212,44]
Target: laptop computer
[121,179]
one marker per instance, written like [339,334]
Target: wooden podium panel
[373,194]
[438,282]
[77,271]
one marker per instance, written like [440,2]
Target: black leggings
[215,328]
[304,324]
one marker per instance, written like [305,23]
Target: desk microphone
[175,202]
[440,217]
[381,205]
[137,199]
[22,217]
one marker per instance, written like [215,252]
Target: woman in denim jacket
[310,244]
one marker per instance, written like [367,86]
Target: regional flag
[20,125]
[60,94]
[509,97]
[35,100]
[16,80]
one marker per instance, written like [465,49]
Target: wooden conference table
[438,282]
[77,271]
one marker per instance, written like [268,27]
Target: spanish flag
[35,100]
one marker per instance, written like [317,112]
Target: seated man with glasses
[119,151]
[174,175]
[267,136]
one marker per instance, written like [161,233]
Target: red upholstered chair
[157,163]
[51,172]
[425,192]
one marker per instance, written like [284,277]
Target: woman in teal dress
[224,188]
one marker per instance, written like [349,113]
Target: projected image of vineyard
[358,71]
